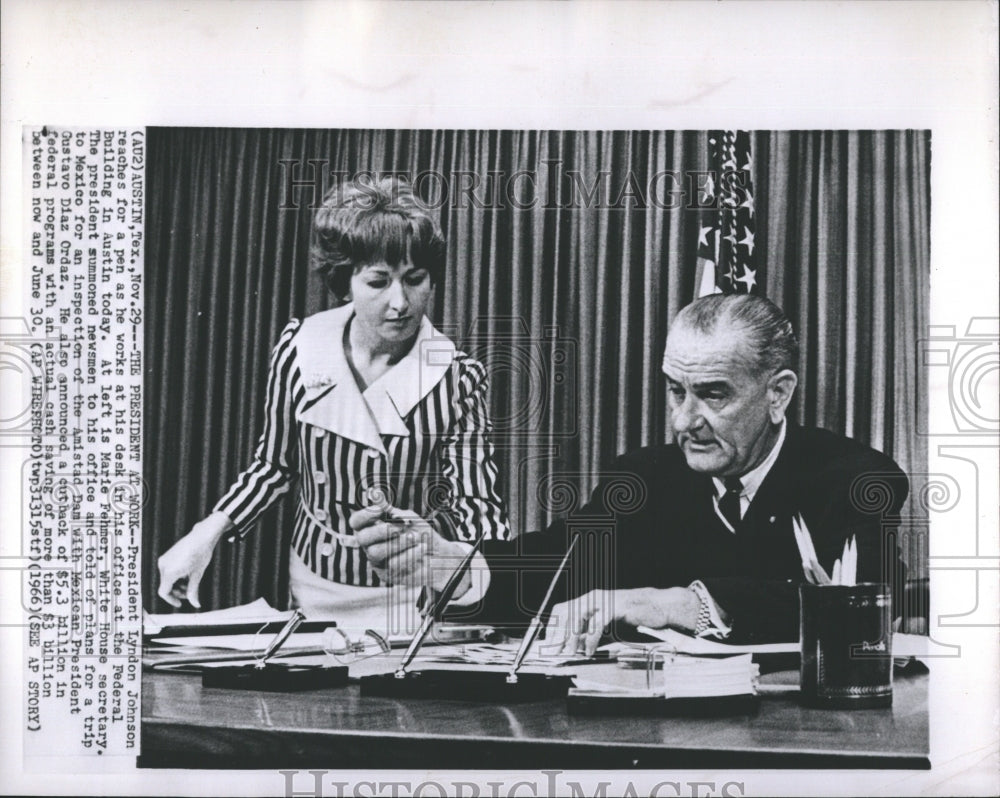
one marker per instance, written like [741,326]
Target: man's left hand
[579,624]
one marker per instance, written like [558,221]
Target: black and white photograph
[620,365]
[485,435]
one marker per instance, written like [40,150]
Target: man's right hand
[182,566]
[577,625]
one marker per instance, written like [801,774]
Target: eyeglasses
[342,648]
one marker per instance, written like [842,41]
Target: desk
[187,726]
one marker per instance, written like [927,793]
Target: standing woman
[379,418]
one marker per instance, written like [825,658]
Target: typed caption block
[82,478]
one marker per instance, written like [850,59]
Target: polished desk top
[186,725]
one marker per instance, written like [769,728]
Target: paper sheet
[242,642]
[699,645]
[258,610]
[903,645]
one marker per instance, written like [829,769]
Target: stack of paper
[495,656]
[189,641]
[217,638]
[674,676]
[686,676]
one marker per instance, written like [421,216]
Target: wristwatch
[709,622]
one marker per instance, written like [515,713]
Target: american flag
[726,257]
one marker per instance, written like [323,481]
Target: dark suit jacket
[651,523]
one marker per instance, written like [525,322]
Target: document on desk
[686,644]
[678,676]
[187,641]
[442,658]
[195,661]
[903,645]
[237,628]
[497,656]
[258,611]
[241,642]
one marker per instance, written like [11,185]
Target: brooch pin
[319,381]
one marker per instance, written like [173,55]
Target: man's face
[719,409]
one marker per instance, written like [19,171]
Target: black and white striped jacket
[418,435]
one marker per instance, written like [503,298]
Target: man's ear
[780,388]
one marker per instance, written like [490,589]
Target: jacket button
[327,550]
[771,520]
[320,477]
[322,515]
[320,432]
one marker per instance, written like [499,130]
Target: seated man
[710,548]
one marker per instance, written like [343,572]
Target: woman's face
[390,301]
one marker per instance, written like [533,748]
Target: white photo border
[538,65]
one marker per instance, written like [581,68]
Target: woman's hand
[184,563]
[406,549]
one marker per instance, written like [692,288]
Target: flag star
[703,235]
[749,164]
[749,278]
[709,189]
[747,240]
[748,204]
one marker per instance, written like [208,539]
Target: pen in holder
[281,677]
[475,684]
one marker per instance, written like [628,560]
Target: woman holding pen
[380,419]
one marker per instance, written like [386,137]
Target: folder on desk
[234,638]
[256,618]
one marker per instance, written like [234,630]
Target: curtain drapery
[568,255]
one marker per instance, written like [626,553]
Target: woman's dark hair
[362,222]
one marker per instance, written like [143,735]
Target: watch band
[709,622]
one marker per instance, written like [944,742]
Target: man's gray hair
[768,332]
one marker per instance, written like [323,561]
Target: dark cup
[846,639]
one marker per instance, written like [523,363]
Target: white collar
[332,398]
[753,479]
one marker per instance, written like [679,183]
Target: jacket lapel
[332,399]
[777,499]
[393,396]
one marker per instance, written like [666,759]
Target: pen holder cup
[846,638]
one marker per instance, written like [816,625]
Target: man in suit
[707,547]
